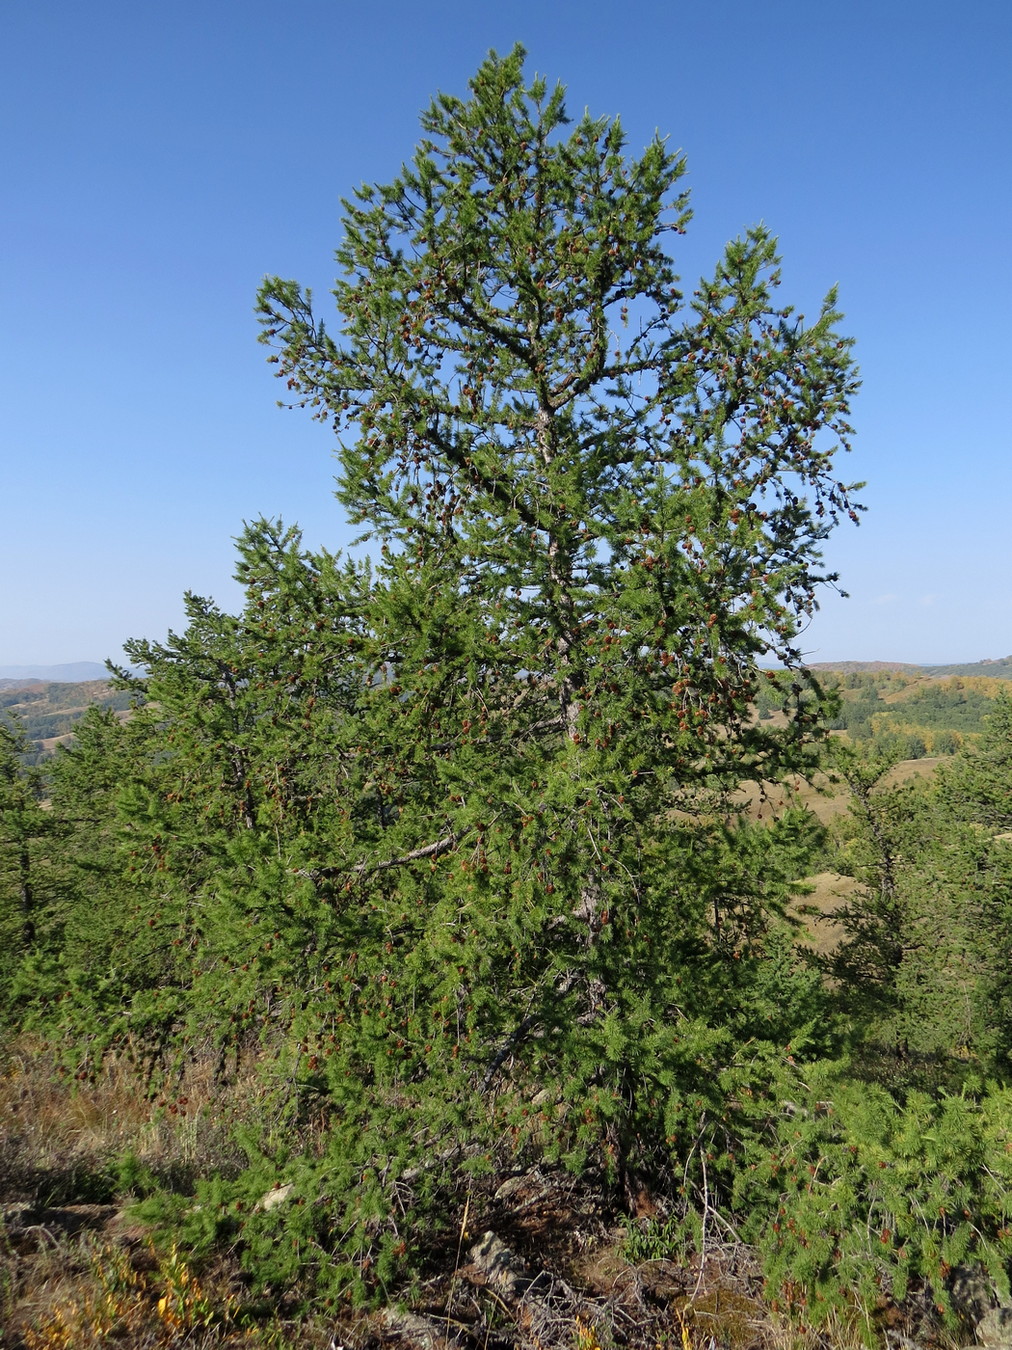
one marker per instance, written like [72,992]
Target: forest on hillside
[908,715]
[423,958]
[44,712]
[915,713]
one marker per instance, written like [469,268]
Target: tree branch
[432,850]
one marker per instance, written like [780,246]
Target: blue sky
[157,160]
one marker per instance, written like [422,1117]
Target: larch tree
[453,834]
[599,506]
[25,827]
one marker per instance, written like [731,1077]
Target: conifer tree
[456,835]
[903,968]
[24,826]
[976,790]
[531,407]
[598,507]
[240,777]
[977,785]
[92,949]
[453,833]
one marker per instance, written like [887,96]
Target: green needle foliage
[25,880]
[536,412]
[977,786]
[598,507]
[923,967]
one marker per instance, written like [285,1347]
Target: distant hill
[918,710]
[75,672]
[47,711]
[857,667]
[999,669]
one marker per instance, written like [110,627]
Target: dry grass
[59,1135]
[827,799]
[829,802]
[75,1271]
[907,769]
[830,892]
[98,1290]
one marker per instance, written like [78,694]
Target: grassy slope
[47,712]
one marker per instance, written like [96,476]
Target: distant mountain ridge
[78,672]
[997,669]
[73,672]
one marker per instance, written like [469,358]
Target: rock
[972,1292]
[499,1265]
[525,1188]
[27,1226]
[540,1305]
[275,1197]
[421,1331]
[13,1215]
[995,1328]
[901,1341]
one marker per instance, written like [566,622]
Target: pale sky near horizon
[157,160]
